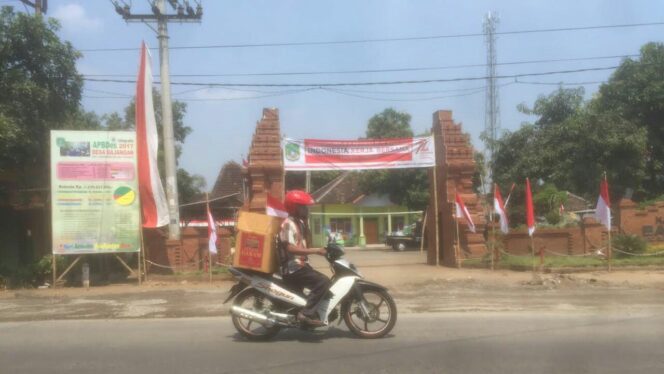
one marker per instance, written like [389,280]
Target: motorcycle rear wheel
[382,314]
[257,302]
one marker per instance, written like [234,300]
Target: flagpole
[609,251]
[435,211]
[139,266]
[458,246]
[424,227]
[145,263]
[493,232]
[209,256]
[457,249]
[532,250]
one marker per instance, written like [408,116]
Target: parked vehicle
[409,237]
[264,304]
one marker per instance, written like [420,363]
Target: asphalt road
[420,343]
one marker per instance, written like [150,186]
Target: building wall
[647,222]
[319,238]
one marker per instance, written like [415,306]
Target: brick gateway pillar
[265,172]
[455,168]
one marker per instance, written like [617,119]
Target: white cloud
[74,19]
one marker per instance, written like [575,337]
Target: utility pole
[41,6]
[185,13]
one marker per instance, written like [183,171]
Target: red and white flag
[153,198]
[275,207]
[530,210]
[212,232]
[603,209]
[462,212]
[499,207]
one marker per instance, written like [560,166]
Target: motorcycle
[265,304]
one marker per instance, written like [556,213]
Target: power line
[559,83]
[391,70]
[374,83]
[386,40]
[346,93]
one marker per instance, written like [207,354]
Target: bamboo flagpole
[603,213]
[457,251]
[212,237]
[424,227]
[435,211]
[530,220]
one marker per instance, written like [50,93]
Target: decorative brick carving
[456,166]
[265,173]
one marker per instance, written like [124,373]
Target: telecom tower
[492,106]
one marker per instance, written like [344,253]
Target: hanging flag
[499,207]
[212,232]
[530,211]
[275,207]
[603,209]
[509,195]
[561,210]
[153,198]
[462,212]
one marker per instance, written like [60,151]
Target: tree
[570,145]
[389,124]
[409,187]
[40,88]
[635,93]
[189,186]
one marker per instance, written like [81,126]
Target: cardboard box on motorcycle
[254,244]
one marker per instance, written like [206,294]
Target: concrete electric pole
[41,6]
[185,13]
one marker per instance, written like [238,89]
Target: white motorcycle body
[339,289]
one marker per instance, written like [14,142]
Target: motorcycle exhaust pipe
[253,316]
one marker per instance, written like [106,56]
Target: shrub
[553,217]
[30,275]
[632,244]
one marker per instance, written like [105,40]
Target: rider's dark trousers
[315,281]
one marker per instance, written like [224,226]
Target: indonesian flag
[212,232]
[499,207]
[462,212]
[275,207]
[603,209]
[530,211]
[153,198]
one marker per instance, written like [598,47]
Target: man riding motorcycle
[295,267]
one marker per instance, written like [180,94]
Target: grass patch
[590,262]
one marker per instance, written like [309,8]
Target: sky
[223,120]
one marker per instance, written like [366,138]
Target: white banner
[317,154]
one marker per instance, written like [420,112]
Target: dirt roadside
[416,288]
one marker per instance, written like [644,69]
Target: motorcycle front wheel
[259,303]
[381,318]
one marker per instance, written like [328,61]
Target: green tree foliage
[635,92]
[189,186]
[40,88]
[409,187]
[571,144]
[389,123]
[115,121]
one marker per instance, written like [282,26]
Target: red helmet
[295,198]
